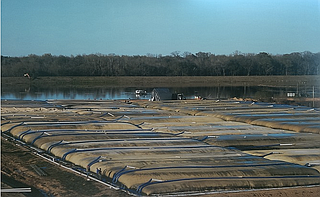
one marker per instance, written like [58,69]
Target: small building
[159,94]
[178,96]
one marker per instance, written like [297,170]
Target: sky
[140,27]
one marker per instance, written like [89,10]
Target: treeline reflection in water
[107,93]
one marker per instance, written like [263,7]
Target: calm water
[126,93]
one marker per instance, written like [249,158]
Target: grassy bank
[177,81]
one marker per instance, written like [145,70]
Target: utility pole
[313,96]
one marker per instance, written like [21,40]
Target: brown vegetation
[199,64]
[156,81]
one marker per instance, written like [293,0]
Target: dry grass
[160,81]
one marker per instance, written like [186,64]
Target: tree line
[175,64]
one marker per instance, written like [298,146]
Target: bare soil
[16,161]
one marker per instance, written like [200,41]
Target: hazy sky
[138,27]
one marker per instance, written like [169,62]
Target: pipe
[150,182]
[38,137]
[53,145]
[117,175]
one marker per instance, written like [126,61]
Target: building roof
[159,94]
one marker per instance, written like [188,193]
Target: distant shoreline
[162,81]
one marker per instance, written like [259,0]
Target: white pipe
[79,173]
[16,190]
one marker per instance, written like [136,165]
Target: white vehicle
[141,92]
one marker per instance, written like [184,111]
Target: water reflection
[107,93]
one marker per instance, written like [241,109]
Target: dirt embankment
[163,81]
[16,161]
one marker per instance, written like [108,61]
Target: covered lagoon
[230,141]
[180,147]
